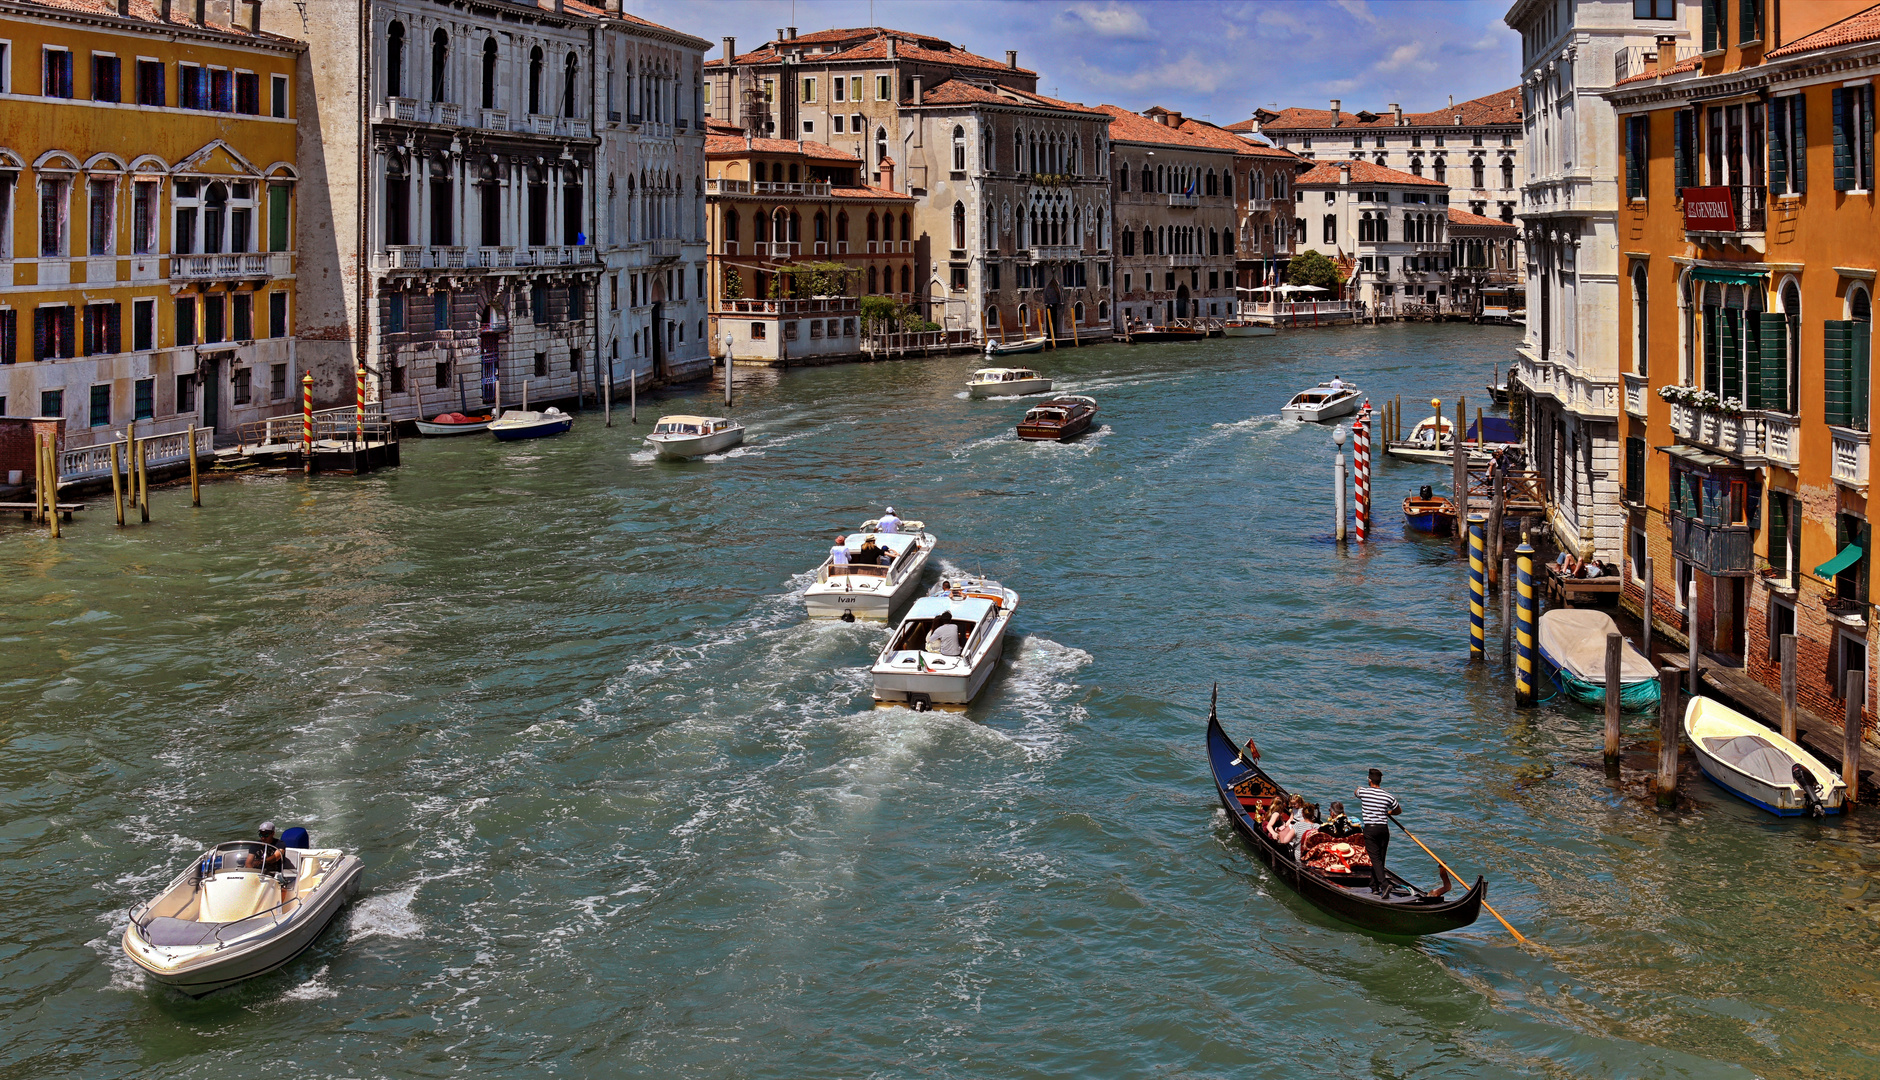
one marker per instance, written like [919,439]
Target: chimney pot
[1011,58]
[891,52]
[163,10]
[780,37]
[202,12]
[887,170]
[613,7]
[1667,53]
[917,89]
[792,31]
[1452,101]
[123,7]
[731,50]
[1335,117]
[254,15]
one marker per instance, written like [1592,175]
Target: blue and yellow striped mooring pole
[1478,587]
[1524,625]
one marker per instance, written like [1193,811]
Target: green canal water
[624,812]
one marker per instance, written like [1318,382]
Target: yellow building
[147,171]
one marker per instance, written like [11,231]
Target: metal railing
[87,462]
[340,424]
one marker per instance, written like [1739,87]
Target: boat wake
[386,914]
[735,452]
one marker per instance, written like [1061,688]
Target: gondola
[1246,791]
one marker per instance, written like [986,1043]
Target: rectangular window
[1637,155]
[143,217]
[809,90]
[244,306]
[58,74]
[855,88]
[541,363]
[443,374]
[52,403]
[277,314]
[214,319]
[150,89]
[837,118]
[279,85]
[102,330]
[248,93]
[577,300]
[101,405]
[757,331]
[192,87]
[992,276]
[221,90]
[143,325]
[242,380]
[1638,555]
[1749,21]
[1331,229]
[277,218]
[9,340]
[1634,470]
[101,199]
[883,87]
[1683,150]
[538,305]
[1853,138]
[1847,345]
[836,87]
[54,333]
[1654,9]
[186,320]
[395,313]
[185,393]
[145,391]
[105,71]
[440,311]
[1713,21]
[52,217]
[277,381]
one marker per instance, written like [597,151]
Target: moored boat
[681,437]
[1337,881]
[1429,512]
[1322,402]
[1758,765]
[946,646]
[519,424]
[1572,641]
[1479,441]
[1149,333]
[1058,419]
[1007,382]
[240,910]
[1016,348]
[871,592]
[1237,328]
[453,423]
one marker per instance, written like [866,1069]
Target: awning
[1703,459]
[1724,275]
[1849,556]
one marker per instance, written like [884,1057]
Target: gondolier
[1378,805]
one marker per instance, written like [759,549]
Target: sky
[1215,60]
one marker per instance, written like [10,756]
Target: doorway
[492,354]
[1181,301]
[209,377]
[1729,594]
[1851,654]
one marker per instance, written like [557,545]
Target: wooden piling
[1615,656]
[1050,326]
[633,397]
[1459,455]
[39,479]
[607,395]
[1645,635]
[52,487]
[1851,739]
[1788,687]
[117,486]
[143,478]
[1507,610]
[1478,427]
[195,480]
[1666,783]
[1497,506]
[1690,608]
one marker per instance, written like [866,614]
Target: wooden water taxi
[1058,419]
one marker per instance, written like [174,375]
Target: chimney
[1667,53]
[731,50]
[202,12]
[917,90]
[891,52]
[792,31]
[1173,118]
[163,10]
[555,6]
[1396,112]
[1335,117]
[779,37]
[254,15]
[1344,172]
[1011,59]
[613,7]
[1452,101]
[123,7]
[887,169]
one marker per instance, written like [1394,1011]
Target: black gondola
[1246,791]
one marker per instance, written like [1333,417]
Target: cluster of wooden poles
[130,478]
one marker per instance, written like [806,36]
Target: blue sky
[1217,60]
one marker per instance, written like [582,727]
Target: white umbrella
[1307,288]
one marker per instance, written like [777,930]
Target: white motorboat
[1425,444]
[871,593]
[680,437]
[1323,402]
[1242,328]
[1007,382]
[946,646]
[232,916]
[517,424]
[1016,348]
[1757,764]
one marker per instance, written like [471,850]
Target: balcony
[887,247]
[776,249]
[1190,201]
[1185,260]
[539,124]
[413,257]
[720,186]
[666,247]
[1717,550]
[1850,457]
[1055,252]
[1724,211]
[220,267]
[1782,440]
[825,305]
[1738,436]
[1636,387]
[496,119]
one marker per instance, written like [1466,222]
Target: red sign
[1709,209]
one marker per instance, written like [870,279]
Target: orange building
[1747,233]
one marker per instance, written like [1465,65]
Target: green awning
[1724,275]
[1849,556]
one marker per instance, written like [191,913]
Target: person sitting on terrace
[1566,564]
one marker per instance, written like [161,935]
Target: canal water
[624,812]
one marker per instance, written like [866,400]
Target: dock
[345,441]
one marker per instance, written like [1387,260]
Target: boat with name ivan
[1758,765]
[517,424]
[1429,512]
[1322,402]
[1007,382]
[946,646]
[454,423]
[1239,328]
[677,438]
[871,592]
[1572,642]
[1016,348]
[240,910]
[1058,419]
[1332,874]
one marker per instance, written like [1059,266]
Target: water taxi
[1323,402]
[1007,382]
[517,424]
[1059,419]
[681,437]
[871,592]
[946,646]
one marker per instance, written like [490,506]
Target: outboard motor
[1811,792]
[1424,492]
[296,837]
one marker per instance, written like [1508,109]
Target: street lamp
[1338,480]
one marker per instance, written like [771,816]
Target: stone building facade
[1390,229]
[1177,219]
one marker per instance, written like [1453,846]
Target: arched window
[1416,166]
[1687,310]
[874,231]
[874,281]
[796,227]
[986,164]
[822,227]
[214,218]
[1442,171]
[1640,323]
[1227,184]
[489,73]
[881,146]
[440,65]
[959,149]
[731,227]
[907,283]
[1792,318]
[570,71]
[1713,359]
[842,227]
[1024,316]
[1380,161]
[887,228]
[991,237]
[1077,311]
[907,227]
[1214,242]
[535,80]
[397,203]
[1018,150]
[1507,174]
[395,60]
[1227,241]
[1148,240]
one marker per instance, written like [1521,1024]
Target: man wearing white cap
[888,523]
[271,862]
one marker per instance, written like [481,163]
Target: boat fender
[848,616]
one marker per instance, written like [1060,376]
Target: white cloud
[1109,21]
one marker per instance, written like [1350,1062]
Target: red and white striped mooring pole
[1361,467]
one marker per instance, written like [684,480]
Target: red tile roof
[968,92]
[596,11]
[1218,136]
[145,11]
[871,43]
[1503,107]
[1856,28]
[1678,68]
[1362,172]
[1127,126]
[868,193]
[1463,217]
[733,146]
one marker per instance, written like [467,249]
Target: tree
[734,285]
[1312,268]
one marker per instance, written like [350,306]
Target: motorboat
[1058,419]
[1323,402]
[518,424]
[946,646]
[1015,348]
[454,423]
[1498,389]
[1149,333]
[1758,765]
[1430,513]
[1572,641]
[240,910]
[871,593]
[1237,328]
[1007,382]
[1480,441]
[680,437]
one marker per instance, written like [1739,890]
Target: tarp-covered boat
[1573,642]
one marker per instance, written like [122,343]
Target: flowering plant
[1731,406]
[1681,394]
[1704,399]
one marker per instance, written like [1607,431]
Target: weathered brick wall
[18,436]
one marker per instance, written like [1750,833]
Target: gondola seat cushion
[1328,853]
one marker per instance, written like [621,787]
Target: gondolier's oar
[1458,877]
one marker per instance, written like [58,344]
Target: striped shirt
[1378,804]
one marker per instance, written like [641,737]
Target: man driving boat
[275,855]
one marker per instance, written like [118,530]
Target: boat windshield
[675,429]
[246,855]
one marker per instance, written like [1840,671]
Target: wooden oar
[1458,877]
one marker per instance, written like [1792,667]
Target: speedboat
[1007,382]
[1429,513]
[1323,402]
[231,916]
[924,665]
[872,593]
[1149,333]
[1236,328]
[454,423]
[1757,764]
[1014,348]
[679,437]
[1059,419]
[517,424]
[1480,441]
[1573,643]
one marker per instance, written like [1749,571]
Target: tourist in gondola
[1378,807]
[1340,823]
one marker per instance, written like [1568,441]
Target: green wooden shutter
[1635,469]
[1836,346]
[1859,356]
[1752,361]
[1711,376]
[1713,33]
[1632,163]
[1729,353]
[1778,147]
[1749,21]
[1773,355]
[1777,538]
[1798,143]
[1843,149]
[1680,150]
[277,217]
[1866,142]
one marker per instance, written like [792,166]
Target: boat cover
[972,609]
[1754,755]
[1498,429]
[895,542]
[1574,640]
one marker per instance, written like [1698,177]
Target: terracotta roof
[1463,217]
[145,11]
[733,145]
[1127,126]
[1227,140]
[578,7]
[1498,108]
[1362,172]
[871,43]
[1856,28]
[868,193]
[1676,69]
[967,92]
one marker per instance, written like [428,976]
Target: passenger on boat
[869,555]
[1303,821]
[944,638]
[1340,824]
[888,523]
[1337,383]
[839,553]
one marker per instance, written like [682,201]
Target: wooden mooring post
[1615,659]
[195,479]
[1665,786]
[143,478]
[117,486]
[1646,609]
[1507,610]
[1788,686]
[1690,607]
[1851,737]
[1459,469]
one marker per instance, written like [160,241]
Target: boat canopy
[1000,374]
[1495,429]
[972,609]
[895,542]
[1755,755]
